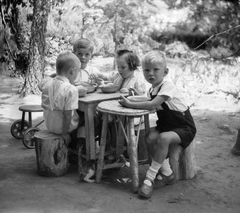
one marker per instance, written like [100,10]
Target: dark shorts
[183,125]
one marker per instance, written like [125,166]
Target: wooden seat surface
[31,108]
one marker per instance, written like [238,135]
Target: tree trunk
[37,45]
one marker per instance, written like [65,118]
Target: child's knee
[152,135]
[163,140]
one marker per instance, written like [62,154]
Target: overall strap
[52,96]
[164,105]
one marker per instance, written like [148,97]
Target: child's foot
[166,180]
[146,189]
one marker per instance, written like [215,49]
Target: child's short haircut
[132,59]
[83,43]
[154,56]
[65,61]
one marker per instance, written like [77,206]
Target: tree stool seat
[51,154]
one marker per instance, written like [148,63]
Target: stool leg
[30,119]
[133,157]
[100,163]
[23,118]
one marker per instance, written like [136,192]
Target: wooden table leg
[133,155]
[100,163]
[90,132]
[120,137]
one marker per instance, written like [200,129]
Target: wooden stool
[19,126]
[51,154]
[114,108]
[182,161]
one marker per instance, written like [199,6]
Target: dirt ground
[216,188]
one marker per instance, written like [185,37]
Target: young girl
[175,124]
[127,75]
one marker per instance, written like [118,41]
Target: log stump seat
[51,154]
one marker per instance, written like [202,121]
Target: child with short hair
[175,124]
[60,97]
[83,48]
[126,75]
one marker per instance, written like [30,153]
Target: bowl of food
[138,98]
[109,88]
[91,88]
[82,91]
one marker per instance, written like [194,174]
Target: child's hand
[67,138]
[124,101]
[123,90]
[99,81]
[132,91]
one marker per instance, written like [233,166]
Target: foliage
[208,18]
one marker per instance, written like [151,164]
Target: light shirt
[86,75]
[175,101]
[135,81]
[58,95]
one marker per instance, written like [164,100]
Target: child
[60,97]
[126,76]
[175,124]
[83,49]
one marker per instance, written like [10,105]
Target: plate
[138,98]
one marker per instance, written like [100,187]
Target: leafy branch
[217,34]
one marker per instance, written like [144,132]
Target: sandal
[146,190]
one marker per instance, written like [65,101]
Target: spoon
[132,90]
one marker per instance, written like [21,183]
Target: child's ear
[166,72]
[71,71]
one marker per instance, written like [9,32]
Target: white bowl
[138,98]
[91,88]
[106,88]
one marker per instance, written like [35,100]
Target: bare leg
[158,145]
[163,142]
[151,142]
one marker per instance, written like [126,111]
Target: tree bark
[36,54]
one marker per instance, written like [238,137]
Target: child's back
[57,96]
[60,96]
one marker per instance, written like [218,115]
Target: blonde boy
[60,97]
[175,124]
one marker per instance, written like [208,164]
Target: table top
[113,107]
[99,96]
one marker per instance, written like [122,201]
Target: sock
[152,172]
[165,169]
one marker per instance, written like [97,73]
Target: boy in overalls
[60,97]
[175,124]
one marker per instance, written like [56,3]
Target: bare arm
[149,105]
